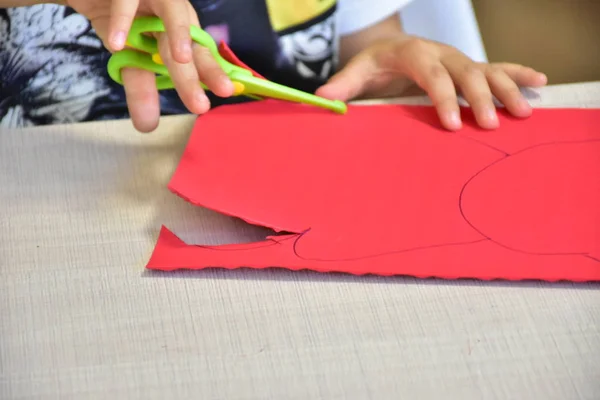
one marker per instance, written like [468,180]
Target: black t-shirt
[53,66]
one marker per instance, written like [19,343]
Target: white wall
[448,21]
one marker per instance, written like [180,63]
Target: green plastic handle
[143,47]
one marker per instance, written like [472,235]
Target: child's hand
[381,71]
[188,64]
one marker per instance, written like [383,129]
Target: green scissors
[144,54]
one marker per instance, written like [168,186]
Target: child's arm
[383,61]
[354,43]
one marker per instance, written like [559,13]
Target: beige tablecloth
[80,317]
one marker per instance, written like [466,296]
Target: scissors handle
[143,54]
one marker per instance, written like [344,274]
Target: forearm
[353,44]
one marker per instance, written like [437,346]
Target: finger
[474,87]
[507,92]
[523,76]
[176,17]
[209,71]
[185,78]
[142,98]
[352,81]
[434,78]
[122,13]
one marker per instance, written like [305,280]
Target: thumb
[352,81]
[122,13]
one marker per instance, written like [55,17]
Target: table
[80,317]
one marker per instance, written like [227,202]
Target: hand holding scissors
[143,53]
[186,62]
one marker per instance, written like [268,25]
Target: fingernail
[118,40]
[491,116]
[226,82]
[454,119]
[185,46]
[202,99]
[524,104]
[490,119]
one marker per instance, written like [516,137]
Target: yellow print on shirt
[285,14]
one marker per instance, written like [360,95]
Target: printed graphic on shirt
[220,31]
[307,35]
[49,66]
[287,14]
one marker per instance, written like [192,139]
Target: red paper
[384,190]
[230,56]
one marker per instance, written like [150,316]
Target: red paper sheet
[384,190]
[230,56]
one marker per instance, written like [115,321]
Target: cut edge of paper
[224,212]
[168,240]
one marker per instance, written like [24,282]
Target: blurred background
[558,37]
